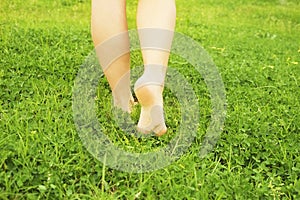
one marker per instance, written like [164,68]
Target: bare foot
[152,113]
[124,101]
[122,96]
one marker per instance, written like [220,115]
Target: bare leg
[109,32]
[157,16]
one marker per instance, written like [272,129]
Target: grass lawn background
[256,46]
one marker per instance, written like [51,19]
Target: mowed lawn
[255,45]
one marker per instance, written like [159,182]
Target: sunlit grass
[254,44]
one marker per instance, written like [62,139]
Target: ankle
[150,95]
[153,75]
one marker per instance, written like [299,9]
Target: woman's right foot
[152,113]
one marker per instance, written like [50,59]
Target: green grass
[255,45]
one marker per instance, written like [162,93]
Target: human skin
[109,20]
